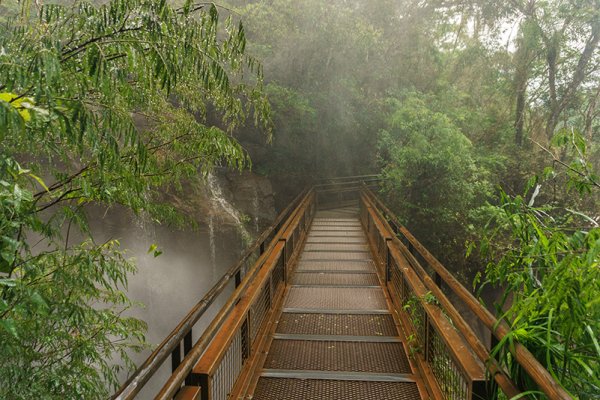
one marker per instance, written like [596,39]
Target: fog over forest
[146,144]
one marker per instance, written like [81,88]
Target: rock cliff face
[229,208]
[228,199]
[252,195]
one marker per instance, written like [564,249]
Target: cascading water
[220,201]
[255,209]
[213,245]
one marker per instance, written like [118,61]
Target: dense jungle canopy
[481,116]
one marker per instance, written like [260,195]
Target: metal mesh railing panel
[418,319]
[446,372]
[245,337]
[229,369]
[397,282]
[259,310]
[277,276]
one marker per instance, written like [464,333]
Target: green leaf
[154,250]
[8,282]
[9,326]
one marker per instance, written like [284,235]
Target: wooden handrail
[499,329]
[470,366]
[219,345]
[140,377]
[499,375]
[186,366]
[216,351]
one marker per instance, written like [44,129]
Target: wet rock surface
[253,195]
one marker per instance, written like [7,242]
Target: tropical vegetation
[101,105]
[481,116]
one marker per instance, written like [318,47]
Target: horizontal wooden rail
[444,354]
[499,329]
[215,352]
[470,366]
[140,377]
[174,382]
[499,375]
[222,355]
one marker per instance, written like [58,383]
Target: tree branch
[567,166]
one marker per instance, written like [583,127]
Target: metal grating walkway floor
[336,337]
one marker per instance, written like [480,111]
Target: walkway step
[335,239]
[334,247]
[323,256]
[319,389]
[332,375]
[315,234]
[330,355]
[336,265]
[336,298]
[337,324]
[331,279]
[336,228]
[336,222]
[339,338]
[332,311]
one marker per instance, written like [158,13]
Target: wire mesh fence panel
[447,373]
[228,370]
[259,311]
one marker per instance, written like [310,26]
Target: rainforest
[145,146]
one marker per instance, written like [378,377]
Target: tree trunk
[590,113]
[551,57]
[520,115]
[557,106]
[523,58]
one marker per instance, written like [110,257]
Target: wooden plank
[188,393]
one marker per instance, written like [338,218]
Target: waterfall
[213,245]
[220,201]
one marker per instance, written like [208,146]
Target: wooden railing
[181,336]
[221,365]
[407,264]
[437,347]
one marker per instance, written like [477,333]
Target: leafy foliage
[323,62]
[101,105]
[432,176]
[546,258]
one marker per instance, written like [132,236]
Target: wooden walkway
[336,336]
[315,312]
